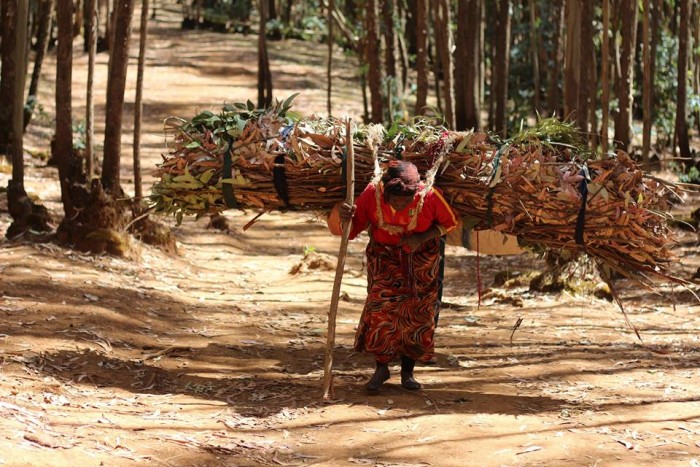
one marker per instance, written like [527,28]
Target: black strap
[581,219]
[279,179]
[489,207]
[344,168]
[227,188]
[399,148]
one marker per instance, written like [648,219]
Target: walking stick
[333,311]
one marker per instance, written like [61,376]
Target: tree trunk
[696,61]
[422,74]
[387,10]
[534,53]
[45,15]
[138,102]
[287,15]
[16,136]
[264,75]
[681,99]
[461,56]
[605,76]
[443,44]
[78,17]
[648,82]
[271,10]
[656,17]
[586,98]
[572,65]
[553,102]
[108,24]
[403,52]
[92,21]
[502,65]
[628,31]
[329,69]
[467,65]
[26,216]
[62,151]
[116,83]
[8,73]
[374,74]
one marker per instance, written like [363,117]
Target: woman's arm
[415,240]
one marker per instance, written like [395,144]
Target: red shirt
[435,210]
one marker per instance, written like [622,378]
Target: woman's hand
[415,240]
[346,211]
[412,241]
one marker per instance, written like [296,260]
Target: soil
[214,356]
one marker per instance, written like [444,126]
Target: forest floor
[213,357]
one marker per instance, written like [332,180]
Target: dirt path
[214,357]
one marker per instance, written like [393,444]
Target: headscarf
[401,178]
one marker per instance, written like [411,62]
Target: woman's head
[401,183]
[401,178]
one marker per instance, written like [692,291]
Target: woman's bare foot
[381,374]
[409,382]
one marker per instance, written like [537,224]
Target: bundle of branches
[541,185]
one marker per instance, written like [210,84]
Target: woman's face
[400,202]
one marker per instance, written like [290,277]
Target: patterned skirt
[402,300]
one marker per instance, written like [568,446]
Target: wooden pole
[340,267]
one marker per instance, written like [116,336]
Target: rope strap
[581,219]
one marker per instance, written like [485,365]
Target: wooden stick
[340,267]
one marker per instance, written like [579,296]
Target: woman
[405,221]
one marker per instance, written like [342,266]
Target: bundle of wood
[540,185]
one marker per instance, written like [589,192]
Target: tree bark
[461,56]
[78,17]
[534,53]
[468,66]
[45,16]
[696,61]
[8,73]
[138,102]
[264,75]
[16,139]
[553,102]
[655,38]
[586,98]
[116,84]
[628,31]
[387,10]
[572,65]
[403,52]
[648,82]
[92,22]
[62,151]
[502,65]
[605,76]
[421,18]
[443,43]
[681,98]
[329,69]
[374,74]
[18,203]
